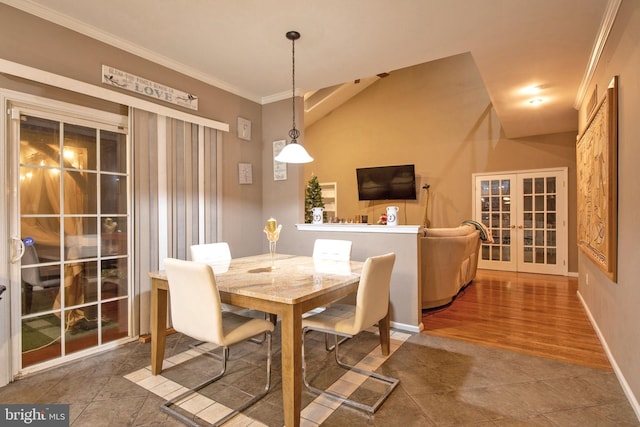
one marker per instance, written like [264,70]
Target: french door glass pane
[114,318]
[551,220]
[506,187]
[39,298]
[551,202]
[41,331]
[495,187]
[527,220]
[528,254]
[484,188]
[80,191]
[506,253]
[495,253]
[495,208]
[114,278]
[113,194]
[79,147]
[113,152]
[43,197]
[544,216]
[39,142]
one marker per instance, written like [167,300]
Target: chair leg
[392,382]
[326,342]
[258,396]
[196,346]
[167,405]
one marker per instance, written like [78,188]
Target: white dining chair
[331,251]
[372,305]
[211,253]
[196,311]
[218,256]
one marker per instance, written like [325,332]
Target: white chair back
[195,301]
[372,300]
[338,250]
[211,252]
[217,255]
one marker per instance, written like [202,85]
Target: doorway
[70,226]
[526,213]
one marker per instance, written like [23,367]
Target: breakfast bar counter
[371,240]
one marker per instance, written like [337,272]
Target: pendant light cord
[294,133]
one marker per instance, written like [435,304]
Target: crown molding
[605,28]
[280,96]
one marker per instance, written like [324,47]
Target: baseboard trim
[405,327]
[616,369]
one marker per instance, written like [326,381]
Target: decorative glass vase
[272,230]
[272,251]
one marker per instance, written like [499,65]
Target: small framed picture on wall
[244,128]
[279,168]
[245,173]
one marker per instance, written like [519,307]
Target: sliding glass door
[72,231]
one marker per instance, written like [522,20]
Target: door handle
[18,257]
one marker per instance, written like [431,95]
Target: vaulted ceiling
[240,46]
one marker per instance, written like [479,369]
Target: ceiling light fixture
[531,90]
[293,152]
[536,101]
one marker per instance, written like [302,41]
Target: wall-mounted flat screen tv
[387,183]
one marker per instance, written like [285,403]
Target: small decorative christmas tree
[313,199]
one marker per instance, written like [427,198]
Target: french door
[70,226]
[526,214]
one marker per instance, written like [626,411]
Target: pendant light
[293,152]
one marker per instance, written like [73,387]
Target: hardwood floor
[534,314]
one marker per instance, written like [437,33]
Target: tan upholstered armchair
[448,262]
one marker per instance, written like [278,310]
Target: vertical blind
[174,173]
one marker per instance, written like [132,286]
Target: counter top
[362,228]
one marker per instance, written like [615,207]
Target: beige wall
[439,117]
[615,307]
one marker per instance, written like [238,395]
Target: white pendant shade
[293,153]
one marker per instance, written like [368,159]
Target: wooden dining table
[287,286]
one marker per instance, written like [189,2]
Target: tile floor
[442,383]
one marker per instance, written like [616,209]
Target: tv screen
[387,183]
